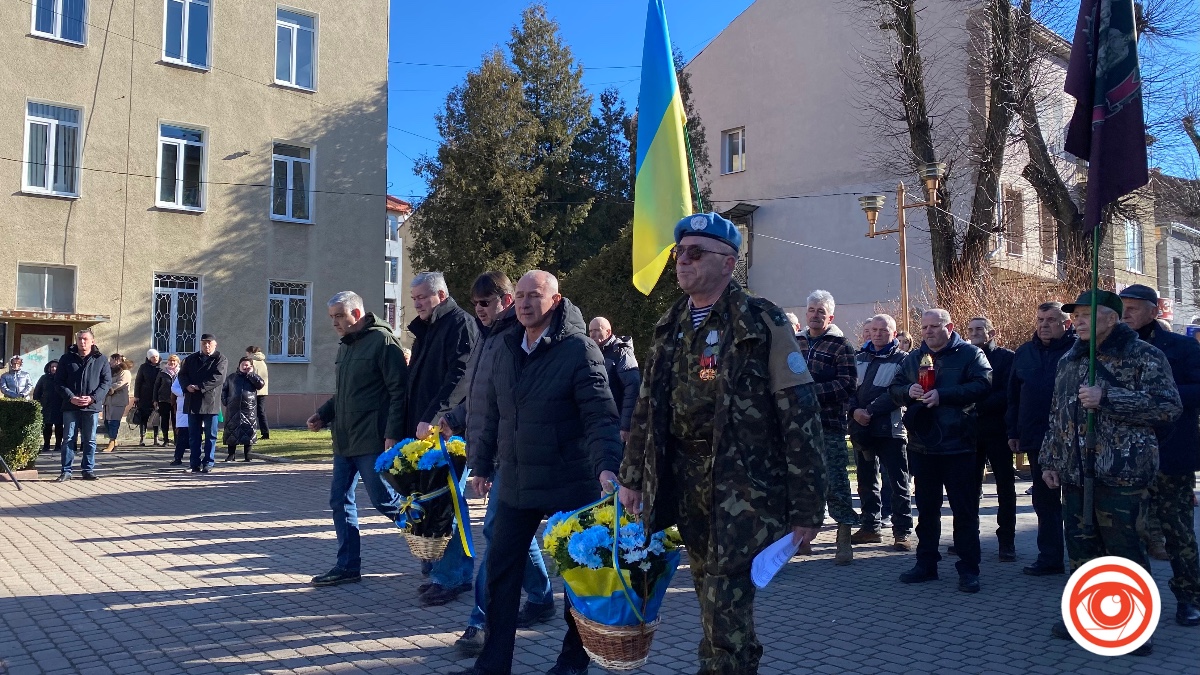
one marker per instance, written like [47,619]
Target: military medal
[708,359]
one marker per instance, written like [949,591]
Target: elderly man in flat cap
[726,437]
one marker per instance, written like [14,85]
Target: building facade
[179,167]
[397,272]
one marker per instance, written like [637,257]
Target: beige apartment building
[179,167]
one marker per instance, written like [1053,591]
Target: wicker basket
[426,548]
[615,647]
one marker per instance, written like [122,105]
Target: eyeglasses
[485,303]
[694,252]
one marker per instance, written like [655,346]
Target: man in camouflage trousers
[726,438]
[1134,392]
[830,357]
[1178,451]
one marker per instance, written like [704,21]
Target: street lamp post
[932,175]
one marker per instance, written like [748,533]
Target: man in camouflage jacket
[726,438]
[1134,392]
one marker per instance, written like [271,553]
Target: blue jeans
[455,567]
[536,582]
[85,424]
[202,426]
[346,471]
[113,427]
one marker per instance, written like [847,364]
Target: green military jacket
[1139,393]
[369,391]
[768,470]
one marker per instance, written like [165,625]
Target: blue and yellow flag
[661,189]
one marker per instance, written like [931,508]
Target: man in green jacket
[366,416]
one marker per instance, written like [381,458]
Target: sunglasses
[485,303]
[694,252]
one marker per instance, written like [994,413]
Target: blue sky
[606,37]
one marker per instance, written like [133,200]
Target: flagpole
[687,142]
[1089,458]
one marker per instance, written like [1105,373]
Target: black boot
[246,454]
[232,452]
[1008,549]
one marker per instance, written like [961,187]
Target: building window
[1195,283]
[180,167]
[61,19]
[1014,221]
[393,227]
[733,150]
[176,318]
[186,29]
[1177,278]
[288,321]
[295,49]
[51,150]
[391,270]
[46,289]
[1048,230]
[291,183]
[389,311]
[1134,254]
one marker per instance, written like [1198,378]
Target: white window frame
[183,42]
[74,288]
[56,34]
[387,269]
[178,205]
[726,159]
[173,321]
[51,141]
[312,181]
[1135,255]
[285,299]
[387,233]
[295,29]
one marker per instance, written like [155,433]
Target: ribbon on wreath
[462,514]
[411,510]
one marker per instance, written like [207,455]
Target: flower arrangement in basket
[614,577]
[426,473]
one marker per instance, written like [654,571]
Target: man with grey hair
[444,335]
[830,358]
[879,439]
[992,444]
[941,430]
[366,417]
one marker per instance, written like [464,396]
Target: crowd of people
[738,429]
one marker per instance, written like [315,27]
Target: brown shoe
[1158,551]
[865,536]
[112,445]
[902,543]
[845,553]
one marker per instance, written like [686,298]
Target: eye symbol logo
[1111,606]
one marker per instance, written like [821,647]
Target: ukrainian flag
[661,190]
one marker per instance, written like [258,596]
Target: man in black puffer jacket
[551,430]
[993,436]
[82,378]
[941,440]
[1030,395]
[624,378]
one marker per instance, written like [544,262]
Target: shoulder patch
[796,363]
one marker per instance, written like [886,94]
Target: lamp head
[872,205]
[932,174]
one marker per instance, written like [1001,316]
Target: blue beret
[710,225]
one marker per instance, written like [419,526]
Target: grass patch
[301,445]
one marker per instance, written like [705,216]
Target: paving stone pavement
[151,570]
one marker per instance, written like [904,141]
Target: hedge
[20,432]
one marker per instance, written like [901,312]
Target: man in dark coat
[1178,448]
[879,437]
[1027,417]
[942,444]
[143,393]
[550,434]
[492,296]
[83,378]
[992,444]
[201,377]
[46,393]
[726,439]
[445,335]
[621,364]
[366,417]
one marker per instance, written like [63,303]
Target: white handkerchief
[772,559]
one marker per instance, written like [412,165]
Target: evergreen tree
[484,182]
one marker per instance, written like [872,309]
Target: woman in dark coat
[164,401]
[46,393]
[240,398]
[143,395]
